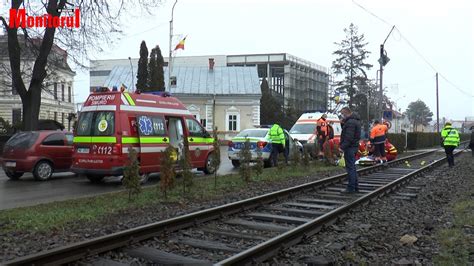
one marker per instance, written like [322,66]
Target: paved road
[27,191]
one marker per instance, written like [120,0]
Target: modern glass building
[294,81]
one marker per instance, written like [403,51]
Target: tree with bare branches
[100,23]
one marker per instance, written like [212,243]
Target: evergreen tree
[350,63]
[131,176]
[295,158]
[259,164]
[156,76]
[167,172]
[216,155]
[152,66]
[186,167]
[270,109]
[306,158]
[245,156]
[160,63]
[142,72]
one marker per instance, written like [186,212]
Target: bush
[216,155]
[167,171]
[258,167]
[131,175]
[398,140]
[420,140]
[245,156]
[186,167]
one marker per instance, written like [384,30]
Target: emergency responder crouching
[378,135]
[322,134]
[449,140]
[277,136]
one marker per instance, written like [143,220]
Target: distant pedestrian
[449,140]
[349,145]
[471,143]
[277,137]
[378,135]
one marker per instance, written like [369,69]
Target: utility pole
[170,57]
[383,60]
[437,104]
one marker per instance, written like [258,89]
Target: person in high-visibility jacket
[378,135]
[390,151]
[322,132]
[449,140]
[277,136]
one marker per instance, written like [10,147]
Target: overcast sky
[442,31]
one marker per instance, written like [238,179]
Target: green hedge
[398,140]
[419,140]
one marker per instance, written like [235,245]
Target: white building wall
[49,105]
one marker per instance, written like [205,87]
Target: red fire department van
[111,122]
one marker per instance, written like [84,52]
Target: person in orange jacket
[322,133]
[378,135]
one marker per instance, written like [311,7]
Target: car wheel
[43,170]
[144,178]
[208,168]
[95,178]
[268,163]
[13,175]
[236,163]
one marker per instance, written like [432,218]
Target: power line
[414,49]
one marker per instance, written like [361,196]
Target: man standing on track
[278,142]
[378,135]
[349,144]
[449,140]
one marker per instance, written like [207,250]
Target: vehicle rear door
[153,140]
[54,148]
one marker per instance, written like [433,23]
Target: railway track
[243,232]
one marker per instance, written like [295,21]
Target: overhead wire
[415,50]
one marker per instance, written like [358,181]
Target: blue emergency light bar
[159,93]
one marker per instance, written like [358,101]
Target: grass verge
[455,242]
[47,216]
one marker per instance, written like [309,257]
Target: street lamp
[383,60]
[170,58]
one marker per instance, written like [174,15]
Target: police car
[258,137]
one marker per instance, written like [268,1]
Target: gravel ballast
[17,244]
[390,230]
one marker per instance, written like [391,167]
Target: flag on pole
[180,45]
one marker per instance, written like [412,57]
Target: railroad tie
[164,258]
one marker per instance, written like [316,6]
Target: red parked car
[39,152]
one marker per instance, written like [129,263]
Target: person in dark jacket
[349,145]
[471,143]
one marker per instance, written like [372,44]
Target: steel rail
[76,251]
[271,247]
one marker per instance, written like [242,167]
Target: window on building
[233,123]
[62,118]
[16,116]
[55,91]
[69,94]
[62,92]
[55,116]
[204,122]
